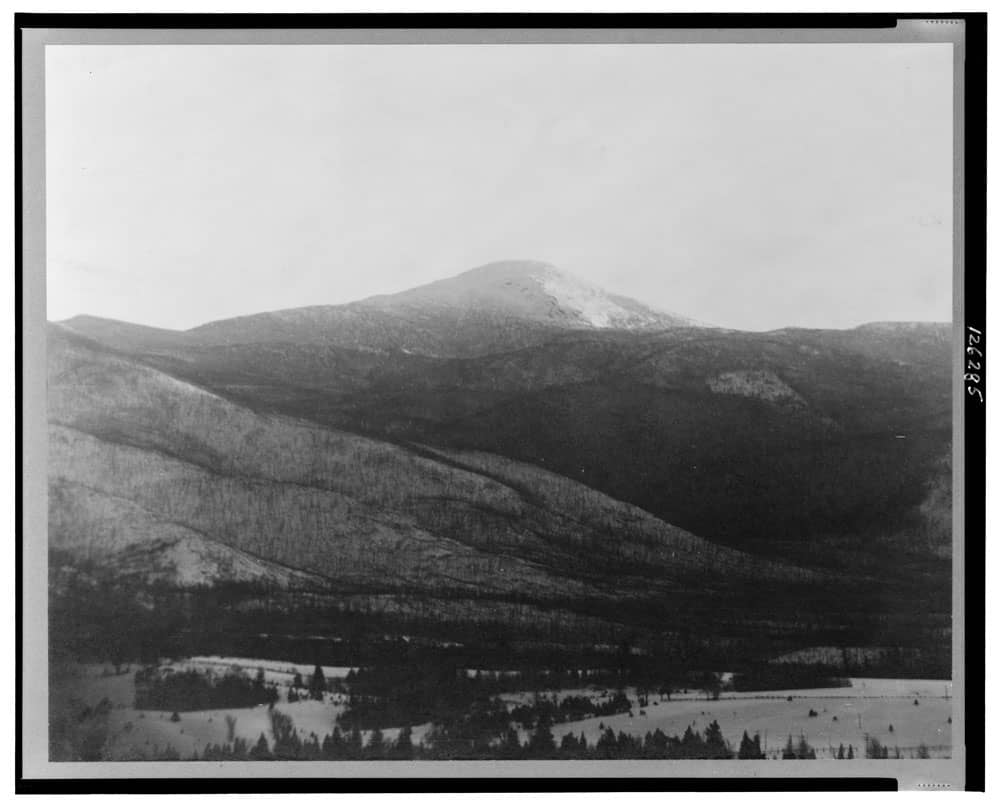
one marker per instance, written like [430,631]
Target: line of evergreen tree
[194,690]
[849,754]
[569,708]
[875,749]
[286,744]
[750,749]
[798,751]
[317,688]
[788,676]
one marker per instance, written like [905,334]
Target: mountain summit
[497,307]
[533,291]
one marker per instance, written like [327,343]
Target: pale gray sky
[751,186]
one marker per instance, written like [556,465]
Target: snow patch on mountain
[525,289]
[592,305]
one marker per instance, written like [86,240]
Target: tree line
[190,690]
[285,743]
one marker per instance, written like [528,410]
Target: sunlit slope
[137,456]
[746,439]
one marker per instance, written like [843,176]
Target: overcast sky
[751,186]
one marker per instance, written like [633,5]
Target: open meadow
[899,713]
[911,715]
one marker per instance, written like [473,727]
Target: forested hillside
[142,464]
[516,447]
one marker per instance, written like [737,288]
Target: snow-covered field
[843,715]
[137,733]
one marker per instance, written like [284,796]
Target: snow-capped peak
[535,291]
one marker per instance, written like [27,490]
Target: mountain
[529,291]
[496,307]
[164,481]
[513,446]
[689,424]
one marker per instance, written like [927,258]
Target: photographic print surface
[549,401]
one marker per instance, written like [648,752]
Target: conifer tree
[749,749]
[607,744]
[403,748]
[317,684]
[510,744]
[715,743]
[335,749]
[355,743]
[376,745]
[261,750]
[542,744]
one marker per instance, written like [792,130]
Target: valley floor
[904,714]
[844,716]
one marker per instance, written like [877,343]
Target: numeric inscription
[974,362]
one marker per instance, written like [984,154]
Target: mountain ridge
[158,477]
[541,449]
[520,303]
